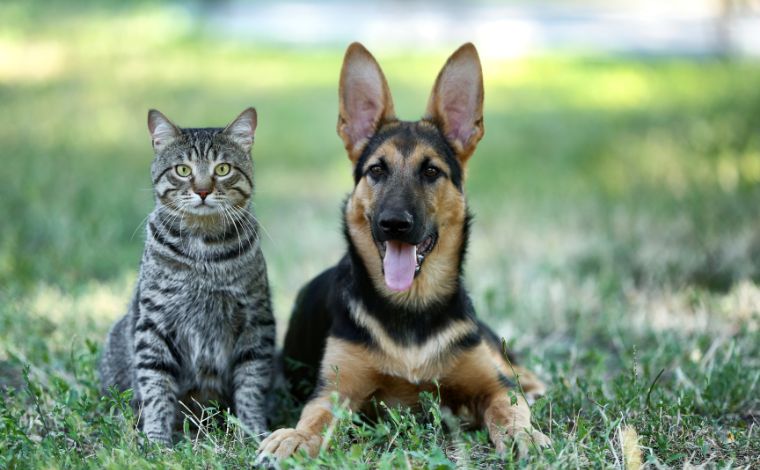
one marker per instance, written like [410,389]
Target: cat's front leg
[157,369]
[252,372]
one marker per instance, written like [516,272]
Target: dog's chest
[417,362]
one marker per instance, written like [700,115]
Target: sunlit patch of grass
[76,311]
[603,86]
[30,61]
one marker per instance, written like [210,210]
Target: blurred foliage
[576,137]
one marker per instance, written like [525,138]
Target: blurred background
[617,184]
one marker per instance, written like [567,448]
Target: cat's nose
[202,193]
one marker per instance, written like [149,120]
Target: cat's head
[202,172]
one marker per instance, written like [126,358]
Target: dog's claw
[522,441]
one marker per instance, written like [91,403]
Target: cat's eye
[222,169]
[183,170]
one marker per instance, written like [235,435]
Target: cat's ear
[456,103]
[241,130]
[365,100]
[162,130]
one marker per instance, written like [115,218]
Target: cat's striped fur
[200,325]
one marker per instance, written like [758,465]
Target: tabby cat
[200,325]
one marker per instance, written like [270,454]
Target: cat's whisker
[141,224]
[172,217]
[232,221]
[162,230]
[266,232]
[242,217]
[179,217]
[243,223]
[244,214]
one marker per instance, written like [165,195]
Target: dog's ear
[242,128]
[162,130]
[365,100]
[456,103]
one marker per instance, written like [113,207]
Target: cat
[200,325]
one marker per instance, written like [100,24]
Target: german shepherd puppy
[393,319]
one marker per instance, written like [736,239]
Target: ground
[616,243]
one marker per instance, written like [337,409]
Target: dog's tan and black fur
[371,335]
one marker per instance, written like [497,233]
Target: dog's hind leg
[529,385]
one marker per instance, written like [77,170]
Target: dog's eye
[376,171]
[431,172]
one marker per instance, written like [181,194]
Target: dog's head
[406,216]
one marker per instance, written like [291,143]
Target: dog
[392,319]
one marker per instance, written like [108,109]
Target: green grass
[616,243]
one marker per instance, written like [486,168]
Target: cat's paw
[285,442]
[163,441]
[255,429]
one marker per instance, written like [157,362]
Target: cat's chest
[203,305]
[209,352]
[207,340]
[208,322]
[206,360]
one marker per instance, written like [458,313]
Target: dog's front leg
[345,369]
[307,435]
[508,415]
[483,376]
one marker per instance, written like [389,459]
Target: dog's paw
[285,442]
[523,441]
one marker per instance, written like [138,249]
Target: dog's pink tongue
[399,264]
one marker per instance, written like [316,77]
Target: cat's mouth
[205,207]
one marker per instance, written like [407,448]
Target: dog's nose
[202,193]
[395,222]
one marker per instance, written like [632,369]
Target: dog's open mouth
[403,261]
